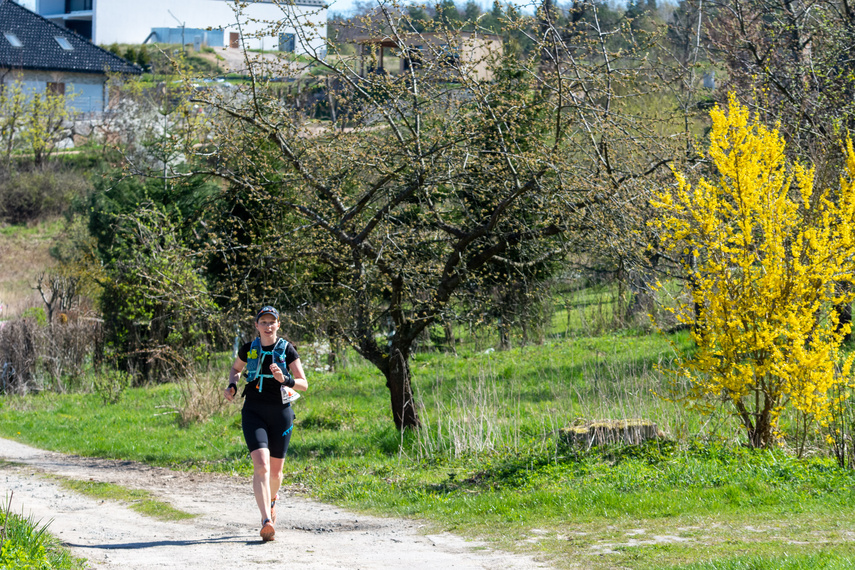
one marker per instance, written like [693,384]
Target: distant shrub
[67,350]
[37,314]
[35,355]
[130,54]
[110,383]
[27,197]
[143,58]
[18,356]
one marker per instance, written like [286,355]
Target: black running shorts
[267,426]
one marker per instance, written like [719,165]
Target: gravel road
[224,534]
[274,63]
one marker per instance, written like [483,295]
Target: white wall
[131,21]
[88,97]
[28,4]
[87,88]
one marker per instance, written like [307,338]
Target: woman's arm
[300,382]
[234,375]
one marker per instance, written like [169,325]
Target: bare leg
[261,480]
[276,464]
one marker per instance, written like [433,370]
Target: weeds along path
[224,534]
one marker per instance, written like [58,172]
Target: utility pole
[183,43]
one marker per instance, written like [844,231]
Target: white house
[42,56]
[29,4]
[260,24]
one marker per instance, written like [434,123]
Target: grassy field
[487,462]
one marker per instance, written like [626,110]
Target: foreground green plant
[26,544]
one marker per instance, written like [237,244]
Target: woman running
[273,372]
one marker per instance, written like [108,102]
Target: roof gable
[40,48]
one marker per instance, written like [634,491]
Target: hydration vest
[256,355]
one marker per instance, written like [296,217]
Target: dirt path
[309,535]
[233,60]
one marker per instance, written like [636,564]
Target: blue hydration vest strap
[255,358]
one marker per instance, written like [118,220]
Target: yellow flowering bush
[766,254]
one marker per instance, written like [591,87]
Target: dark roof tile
[40,49]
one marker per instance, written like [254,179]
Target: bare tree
[60,293]
[791,60]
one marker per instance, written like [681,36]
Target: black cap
[267,310]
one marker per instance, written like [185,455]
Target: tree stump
[605,432]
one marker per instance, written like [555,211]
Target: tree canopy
[432,184]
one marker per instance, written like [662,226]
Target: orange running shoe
[267,531]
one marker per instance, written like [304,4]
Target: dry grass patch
[25,252]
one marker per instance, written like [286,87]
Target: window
[286,42]
[56,88]
[77,5]
[64,43]
[13,39]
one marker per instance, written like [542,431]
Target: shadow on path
[156,543]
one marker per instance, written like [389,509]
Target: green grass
[40,231]
[25,543]
[139,500]
[487,464]
[821,561]
[82,424]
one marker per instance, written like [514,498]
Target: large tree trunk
[761,436]
[334,355]
[450,341]
[844,312]
[401,391]
[758,424]
[393,360]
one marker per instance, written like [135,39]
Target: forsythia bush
[768,256]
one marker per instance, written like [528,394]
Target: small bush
[130,54]
[201,396]
[143,58]
[18,356]
[27,197]
[66,350]
[110,383]
[35,354]
[37,314]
